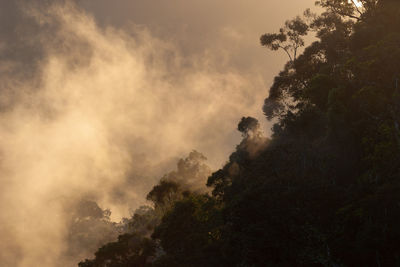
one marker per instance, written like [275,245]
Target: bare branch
[337,11]
[287,52]
[356,7]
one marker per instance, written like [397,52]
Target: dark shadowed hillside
[324,190]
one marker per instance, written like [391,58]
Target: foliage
[89,227]
[324,191]
[135,247]
[289,38]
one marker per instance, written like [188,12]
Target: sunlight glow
[357,3]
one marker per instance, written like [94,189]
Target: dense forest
[323,190]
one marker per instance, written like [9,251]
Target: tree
[289,38]
[290,92]
[89,228]
[190,233]
[324,191]
[248,126]
[353,9]
[135,247]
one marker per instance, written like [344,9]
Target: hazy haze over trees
[96,113]
[98,99]
[324,190]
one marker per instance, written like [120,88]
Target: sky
[99,98]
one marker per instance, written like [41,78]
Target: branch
[295,51]
[345,14]
[355,5]
[287,52]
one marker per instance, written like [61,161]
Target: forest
[322,190]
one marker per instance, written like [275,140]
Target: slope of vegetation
[324,190]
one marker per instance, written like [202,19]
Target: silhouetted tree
[324,191]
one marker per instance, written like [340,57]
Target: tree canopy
[325,189]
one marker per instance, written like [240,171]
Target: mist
[99,107]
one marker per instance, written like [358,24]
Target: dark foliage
[325,190]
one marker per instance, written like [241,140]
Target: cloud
[89,108]
[105,101]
